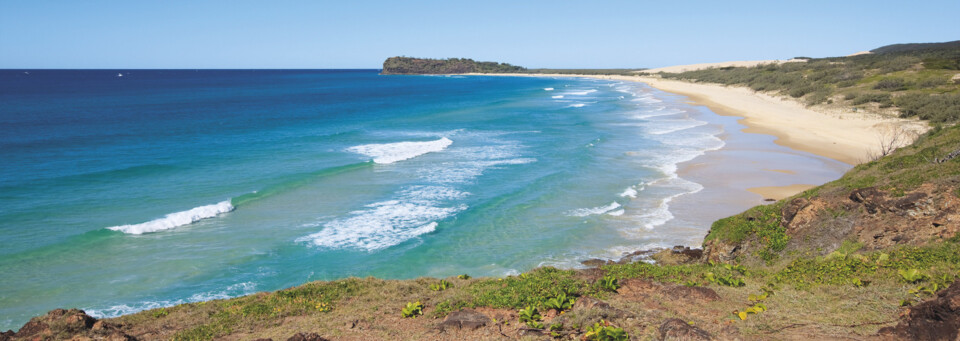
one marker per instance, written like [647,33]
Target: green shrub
[603,331]
[440,286]
[413,309]
[609,283]
[561,302]
[891,84]
[529,314]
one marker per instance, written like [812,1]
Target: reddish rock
[935,319]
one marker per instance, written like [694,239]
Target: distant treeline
[915,79]
[423,66]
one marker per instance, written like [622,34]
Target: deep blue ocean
[123,190]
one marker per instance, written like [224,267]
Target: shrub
[944,108]
[872,97]
[891,84]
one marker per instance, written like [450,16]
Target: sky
[318,34]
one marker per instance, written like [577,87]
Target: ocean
[125,190]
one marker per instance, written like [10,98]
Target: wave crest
[392,152]
[177,219]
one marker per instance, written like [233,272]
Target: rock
[718,251]
[263,340]
[677,329]
[870,197]
[465,319]
[306,337]
[102,325]
[7,335]
[678,255]
[790,210]
[80,338]
[80,320]
[934,319]
[595,262]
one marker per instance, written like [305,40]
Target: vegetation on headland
[915,80]
[424,66]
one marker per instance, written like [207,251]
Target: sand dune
[694,67]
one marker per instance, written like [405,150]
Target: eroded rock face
[935,319]
[465,319]
[73,324]
[677,329]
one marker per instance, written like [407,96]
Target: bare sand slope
[694,67]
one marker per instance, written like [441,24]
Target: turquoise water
[124,193]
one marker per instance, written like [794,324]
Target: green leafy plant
[556,330]
[535,325]
[412,310]
[755,309]
[529,314]
[603,331]
[160,313]
[463,276]
[609,283]
[911,275]
[441,286]
[724,280]
[560,302]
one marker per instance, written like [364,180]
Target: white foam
[580,93]
[557,96]
[392,152]
[616,213]
[578,105]
[548,89]
[177,219]
[236,290]
[661,214]
[661,127]
[630,192]
[583,212]
[380,225]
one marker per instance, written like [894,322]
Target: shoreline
[845,137]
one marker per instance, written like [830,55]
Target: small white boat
[119,75]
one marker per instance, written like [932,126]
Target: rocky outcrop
[935,319]
[59,323]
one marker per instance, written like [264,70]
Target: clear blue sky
[360,34]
